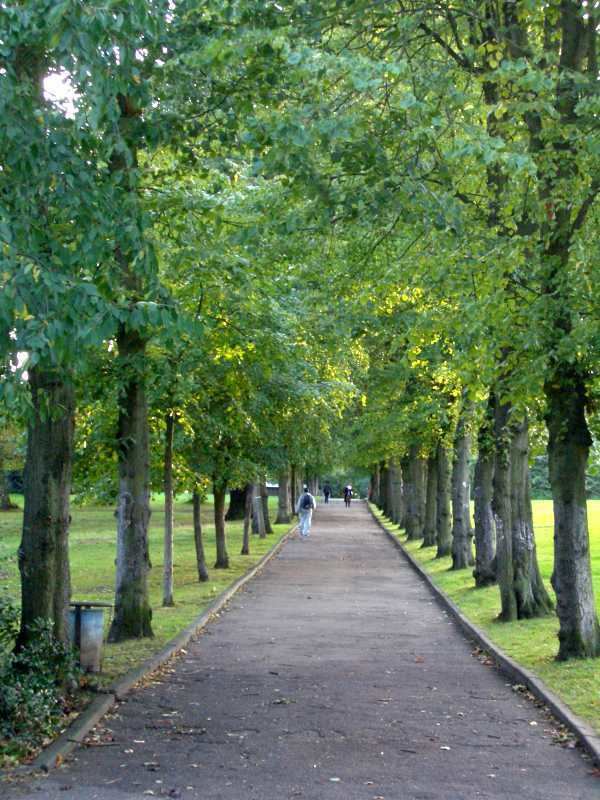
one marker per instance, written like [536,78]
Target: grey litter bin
[86,631]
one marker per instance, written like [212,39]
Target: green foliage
[35,684]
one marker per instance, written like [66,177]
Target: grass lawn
[532,643]
[92,546]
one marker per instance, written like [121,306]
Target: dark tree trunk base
[443,523]
[133,615]
[198,540]
[237,503]
[568,449]
[44,549]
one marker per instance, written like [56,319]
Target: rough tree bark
[389,491]
[237,504]
[133,615]
[198,541]
[293,486]
[375,486]
[567,380]
[396,492]
[415,510]
[532,600]
[258,519]
[483,489]
[384,488]
[431,501]
[264,493]
[502,511]
[462,533]
[406,490]
[44,549]
[168,489]
[220,493]
[247,521]
[284,510]
[568,449]
[444,516]
[5,502]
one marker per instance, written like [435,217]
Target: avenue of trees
[250,235]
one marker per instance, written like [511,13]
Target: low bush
[36,684]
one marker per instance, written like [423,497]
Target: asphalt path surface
[333,675]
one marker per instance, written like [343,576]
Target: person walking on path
[327,492]
[347,495]
[304,508]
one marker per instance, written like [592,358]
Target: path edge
[55,753]
[586,735]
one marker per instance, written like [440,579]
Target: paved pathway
[334,675]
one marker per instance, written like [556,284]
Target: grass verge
[92,554]
[532,643]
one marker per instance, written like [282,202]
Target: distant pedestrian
[347,495]
[304,508]
[327,492]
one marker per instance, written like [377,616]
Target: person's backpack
[306,502]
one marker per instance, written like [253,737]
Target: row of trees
[482,329]
[153,335]
[253,214]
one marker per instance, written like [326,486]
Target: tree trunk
[415,513]
[384,488]
[198,540]
[5,501]
[284,511]
[396,492]
[568,450]
[133,615]
[567,379]
[502,512]
[220,493]
[293,486]
[168,489]
[462,533]
[430,526]
[483,488]
[247,521]
[406,490]
[237,504]
[530,593]
[258,519]
[389,491]
[44,549]
[264,493]
[444,516]
[375,489]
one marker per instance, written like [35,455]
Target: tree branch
[460,59]
[586,205]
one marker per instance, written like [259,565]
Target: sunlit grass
[532,643]
[92,551]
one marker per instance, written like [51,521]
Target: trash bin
[86,631]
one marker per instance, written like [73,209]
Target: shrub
[35,683]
